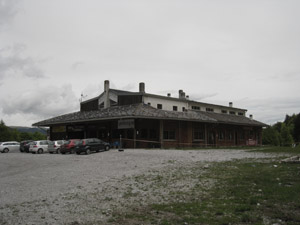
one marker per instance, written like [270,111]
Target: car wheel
[88,151]
[78,153]
[58,151]
[51,152]
[106,148]
[40,151]
[6,150]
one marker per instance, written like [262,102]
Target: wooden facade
[152,133]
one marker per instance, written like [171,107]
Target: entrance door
[211,138]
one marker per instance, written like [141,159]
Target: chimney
[169,94]
[142,87]
[230,104]
[251,117]
[181,94]
[106,94]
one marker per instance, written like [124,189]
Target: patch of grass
[244,192]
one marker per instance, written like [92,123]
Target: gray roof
[147,112]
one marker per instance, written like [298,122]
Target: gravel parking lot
[60,189]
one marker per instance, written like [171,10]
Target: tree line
[9,134]
[283,133]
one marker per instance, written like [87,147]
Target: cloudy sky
[217,51]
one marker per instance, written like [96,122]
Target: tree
[38,136]
[285,136]
[5,134]
[297,128]
[270,136]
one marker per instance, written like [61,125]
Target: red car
[69,146]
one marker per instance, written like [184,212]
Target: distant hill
[30,129]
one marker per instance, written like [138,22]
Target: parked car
[9,146]
[39,147]
[55,146]
[24,145]
[91,144]
[69,146]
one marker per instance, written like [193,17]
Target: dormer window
[159,106]
[209,109]
[175,108]
[224,111]
[232,112]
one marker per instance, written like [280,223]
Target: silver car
[54,147]
[9,146]
[39,147]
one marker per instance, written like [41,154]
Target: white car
[54,147]
[39,147]
[9,146]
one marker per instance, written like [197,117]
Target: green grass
[243,192]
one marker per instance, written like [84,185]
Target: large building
[145,120]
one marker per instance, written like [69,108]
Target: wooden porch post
[134,138]
[205,133]
[161,133]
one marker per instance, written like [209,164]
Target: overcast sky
[217,51]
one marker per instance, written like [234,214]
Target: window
[174,108]
[144,133]
[130,134]
[230,135]
[221,135]
[209,109]
[198,134]
[153,134]
[240,114]
[169,135]
[242,135]
[183,109]
[159,106]
[224,111]
[195,107]
[232,112]
[149,103]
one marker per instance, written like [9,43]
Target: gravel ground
[61,189]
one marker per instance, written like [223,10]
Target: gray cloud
[8,9]
[201,96]
[42,102]
[130,87]
[77,64]
[12,62]
[271,110]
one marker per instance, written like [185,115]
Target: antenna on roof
[82,96]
